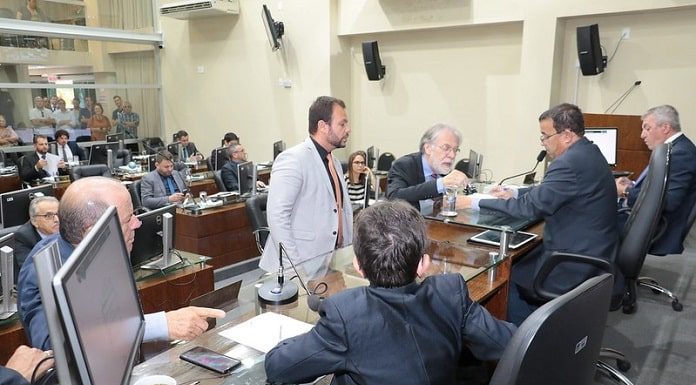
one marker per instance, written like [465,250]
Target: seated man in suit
[189,152]
[421,176]
[396,330]
[40,163]
[576,201]
[661,125]
[43,222]
[163,185]
[237,154]
[66,148]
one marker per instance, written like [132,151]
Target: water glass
[449,202]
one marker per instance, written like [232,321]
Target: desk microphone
[313,299]
[281,292]
[539,158]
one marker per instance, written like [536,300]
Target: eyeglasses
[447,148]
[359,163]
[49,216]
[545,137]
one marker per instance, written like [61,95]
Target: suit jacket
[577,199]
[230,176]
[679,199]
[26,237]
[413,334]
[190,148]
[11,377]
[153,194]
[406,181]
[301,207]
[27,170]
[77,150]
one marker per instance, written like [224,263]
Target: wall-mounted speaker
[373,64]
[589,50]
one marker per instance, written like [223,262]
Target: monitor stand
[9,304]
[167,235]
[162,263]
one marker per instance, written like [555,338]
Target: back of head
[84,202]
[389,240]
[566,116]
[230,136]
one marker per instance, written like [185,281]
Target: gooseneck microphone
[313,299]
[539,158]
[621,98]
[281,292]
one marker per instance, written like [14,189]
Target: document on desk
[264,331]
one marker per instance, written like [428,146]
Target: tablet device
[492,237]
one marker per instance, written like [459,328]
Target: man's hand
[25,359]
[455,178]
[260,184]
[41,164]
[61,164]
[501,192]
[176,197]
[463,202]
[189,322]
[623,184]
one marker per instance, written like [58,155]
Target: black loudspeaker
[373,64]
[589,50]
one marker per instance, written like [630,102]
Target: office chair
[217,176]
[135,194]
[78,172]
[153,145]
[256,211]
[385,161]
[123,157]
[559,343]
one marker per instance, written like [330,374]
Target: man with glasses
[43,222]
[577,201]
[421,176]
[229,173]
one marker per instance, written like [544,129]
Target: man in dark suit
[43,222]
[164,185]
[396,330]
[229,173]
[419,177]
[189,152]
[40,163]
[661,125]
[575,199]
[66,148]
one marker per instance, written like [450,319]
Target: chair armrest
[556,259]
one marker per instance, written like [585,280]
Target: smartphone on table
[209,359]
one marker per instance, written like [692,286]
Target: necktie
[65,156]
[42,114]
[170,186]
[185,150]
[339,198]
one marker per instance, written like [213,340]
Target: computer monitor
[247,178]
[114,138]
[218,158]
[14,205]
[152,238]
[372,155]
[472,170]
[606,139]
[99,305]
[278,147]
[98,154]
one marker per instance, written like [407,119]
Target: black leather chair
[135,194]
[217,176]
[256,211]
[78,172]
[122,157]
[153,145]
[560,342]
[385,161]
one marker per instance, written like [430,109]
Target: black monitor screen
[278,147]
[115,137]
[247,177]
[606,139]
[99,305]
[472,167]
[148,237]
[14,205]
[372,154]
[218,158]
[98,154]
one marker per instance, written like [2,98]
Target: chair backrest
[122,157]
[217,175]
[134,190]
[385,161]
[641,225]
[256,211]
[689,221]
[78,172]
[560,342]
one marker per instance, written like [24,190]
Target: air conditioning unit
[192,9]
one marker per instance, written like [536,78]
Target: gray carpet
[659,342]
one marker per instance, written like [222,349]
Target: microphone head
[637,83]
[541,156]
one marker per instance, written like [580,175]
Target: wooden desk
[10,182]
[222,233]
[207,185]
[157,293]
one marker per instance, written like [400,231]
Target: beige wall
[488,67]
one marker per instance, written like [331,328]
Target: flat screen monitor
[274,29]
[372,155]
[218,158]
[472,166]
[98,154]
[114,138]
[99,305]
[14,205]
[606,139]
[149,237]
[278,147]
[247,178]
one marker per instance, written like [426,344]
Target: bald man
[81,206]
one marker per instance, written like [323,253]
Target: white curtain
[138,68]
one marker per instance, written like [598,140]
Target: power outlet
[626,33]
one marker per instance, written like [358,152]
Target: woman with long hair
[356,175]
[99,124]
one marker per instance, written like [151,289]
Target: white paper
[52,164]
[264,331]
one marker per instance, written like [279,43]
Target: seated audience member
[163,185]
[356,176]
[396,328]
[40,163]
[127,121]
[230,138]
[99,124]
[65,120]
[22,365]
[82,205]
[189,152]
[661,125]
[43,222]
[237,154]
[8,137]
[421,176]
[66,148]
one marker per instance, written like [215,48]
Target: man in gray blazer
[164,185]
[303,208]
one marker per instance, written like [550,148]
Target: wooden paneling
[632,153]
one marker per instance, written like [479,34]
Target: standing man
[119,107]
[127,121]
[86,113]
[66,148]
[40,163]
[65,120]
[163,185]
[43,222]
[576,199]
[661,125]
[41,118]
[309,210]
[421,176]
